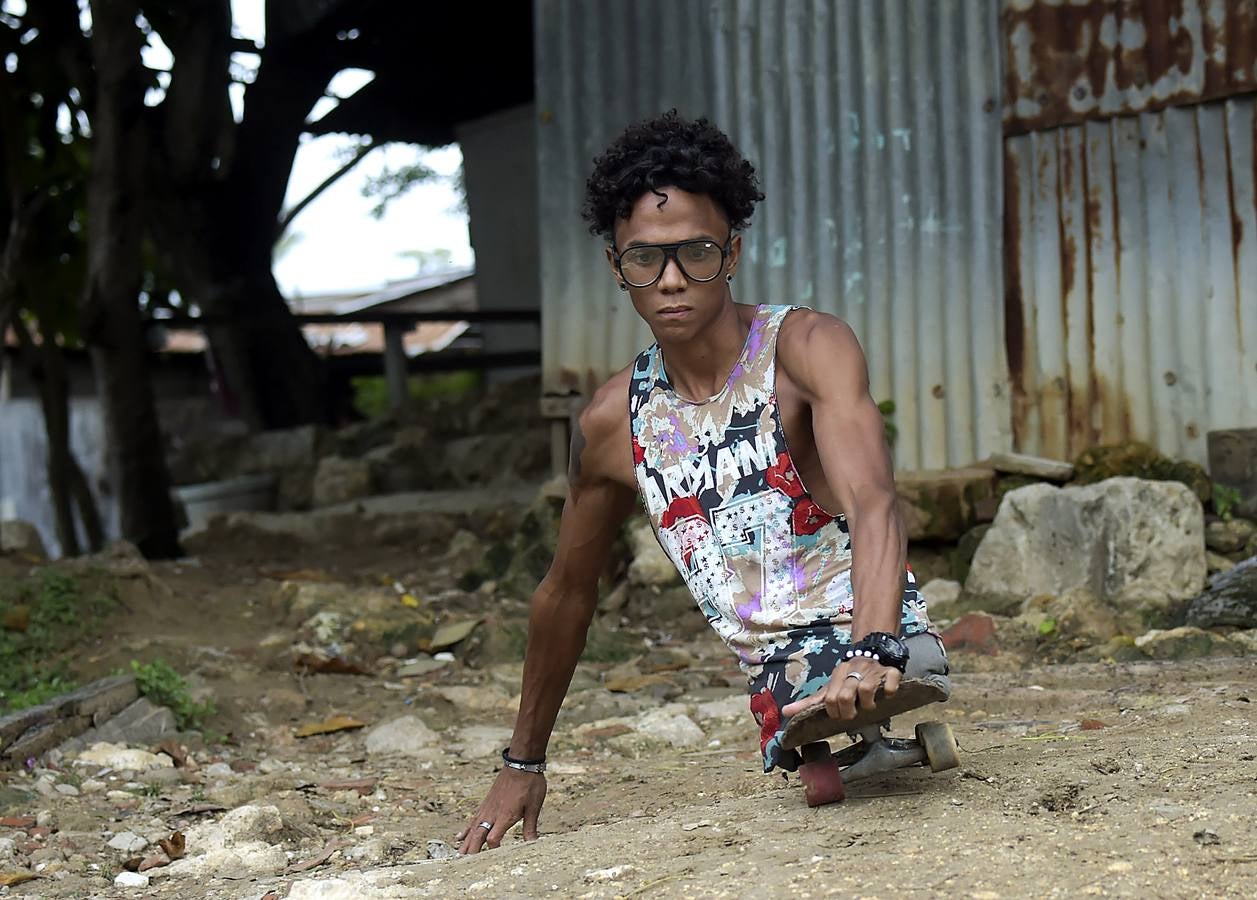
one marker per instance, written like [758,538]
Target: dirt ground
[1133,779]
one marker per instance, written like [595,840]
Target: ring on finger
[856,675]
[487,826]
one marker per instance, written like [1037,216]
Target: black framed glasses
[699,260]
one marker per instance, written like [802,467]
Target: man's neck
[698,368]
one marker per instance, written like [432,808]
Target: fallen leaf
[329,726]
[17,618]
[323,856]
[153,862]
[1091,725]
[362,819]
[132,864]
[172,749]
[328,665]
[363,786]
[174,845]
[451,633]
[17,822]
[8,879]
[410,600]
[633,683]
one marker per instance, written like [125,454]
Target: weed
[164,686]
[1224,499]
[44,616]
[887,409]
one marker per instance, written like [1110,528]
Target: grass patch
[371,391]
[45,616]
[165,687]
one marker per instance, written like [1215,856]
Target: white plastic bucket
[245,493]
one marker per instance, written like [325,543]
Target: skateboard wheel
[821,776]
[939,744]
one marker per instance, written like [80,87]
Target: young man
[750,434]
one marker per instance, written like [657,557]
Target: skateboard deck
[815,724]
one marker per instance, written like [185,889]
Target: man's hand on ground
[515,795]
[840,695]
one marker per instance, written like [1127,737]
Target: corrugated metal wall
[1132,280]
[875,127]
[1130,240]
[1068,61]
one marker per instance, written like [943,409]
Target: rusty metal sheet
[1131,280]
[1069,61]
[875,127]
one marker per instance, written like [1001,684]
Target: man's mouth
[674,312]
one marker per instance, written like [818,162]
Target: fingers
[530,822]
[472,837]
[493,838]
[798,706]
[891,685]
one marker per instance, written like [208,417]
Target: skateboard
[824,773]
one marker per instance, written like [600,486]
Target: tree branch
[327,183]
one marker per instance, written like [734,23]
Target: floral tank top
[768,567]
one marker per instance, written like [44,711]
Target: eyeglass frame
[670,252]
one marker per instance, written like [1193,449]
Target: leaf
[329,726]
[363,786]
[174,845]
[172,749]
[8,879]
[451,633]
[410,600]
[17,822]
[323,856]
[1047,626]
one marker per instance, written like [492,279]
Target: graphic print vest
[767,566]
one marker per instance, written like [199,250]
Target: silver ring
[856,675]
[487,826]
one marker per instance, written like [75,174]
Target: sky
[336,245]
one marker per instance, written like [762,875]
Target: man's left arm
[822,357]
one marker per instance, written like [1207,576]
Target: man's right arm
[599,498]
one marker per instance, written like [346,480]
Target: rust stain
[1014,309]
[1069,62]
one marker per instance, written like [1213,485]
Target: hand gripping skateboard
[823,773]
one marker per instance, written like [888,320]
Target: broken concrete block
[942,504]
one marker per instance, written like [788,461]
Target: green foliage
[1138,460]
[44,616]
[1225,499]
[887,409]
[1047,627]
[392,183]
[164,686]
[371,391]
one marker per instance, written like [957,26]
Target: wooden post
[395,364]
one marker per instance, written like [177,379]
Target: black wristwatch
[881,648]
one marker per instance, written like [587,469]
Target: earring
[729,278]
[623,286]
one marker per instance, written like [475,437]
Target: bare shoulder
[815,349]
[601,442]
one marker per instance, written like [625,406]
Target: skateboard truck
[824,773]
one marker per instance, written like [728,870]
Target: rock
[405,464]
[339,480]
[143,722]
[942,504]
[1247,640]
[483,459]
[650,564]
[483,698]
[613,873]
[8,849]
[940,595]
[1233,464]
[18,536]
[438,849]
[1216,563]
[481,741]
[1135,545]
[1136,460]
[235,846]
[1119,649]
[1229,535]
[131,880]
[734,707]
[1077,614]
[1032,466]
[350,887]
[219,770]
[114,756]
[1187,642]
[405,736]
[961,558]
[669,726]
[973,633]
[983,636]
[1230,599]
[128,842]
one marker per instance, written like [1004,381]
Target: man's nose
[672,279]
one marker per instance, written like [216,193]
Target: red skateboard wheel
[822,782]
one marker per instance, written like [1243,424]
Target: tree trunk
[111,311]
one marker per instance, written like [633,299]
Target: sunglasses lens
[641,265]
[701,259]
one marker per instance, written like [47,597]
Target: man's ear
[735,253]
[611,264]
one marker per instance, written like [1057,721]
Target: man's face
[677,306]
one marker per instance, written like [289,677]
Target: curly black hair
[691,154]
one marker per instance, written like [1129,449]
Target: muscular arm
[823,358]
[600,496]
